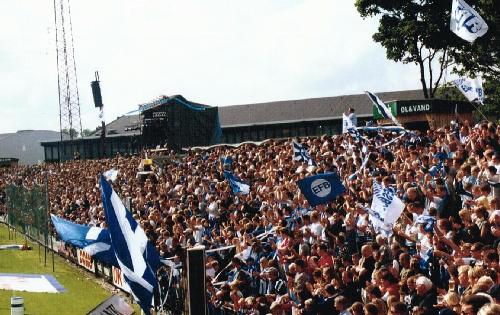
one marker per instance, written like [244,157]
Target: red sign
[85,260]
[119,280]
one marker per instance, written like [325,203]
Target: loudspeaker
[96,93]
[196,281]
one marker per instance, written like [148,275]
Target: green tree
[72,133]
[483,56]
[416,32]
[87,132]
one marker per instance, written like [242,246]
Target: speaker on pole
[96,91]
[196,297]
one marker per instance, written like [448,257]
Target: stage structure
[179,123]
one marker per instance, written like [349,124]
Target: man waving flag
[137,257]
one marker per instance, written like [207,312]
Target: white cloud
[215,52]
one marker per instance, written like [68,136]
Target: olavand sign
[414,109]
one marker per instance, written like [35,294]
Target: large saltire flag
[136,256]
[466,22]
[93,240]
[382,108]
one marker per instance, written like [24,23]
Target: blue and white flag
[237,185]
[378,223]
[111,175]
[321,188]
[427,221]
[386,206]
[466,22]
[93,240]
[381,128]
[226,160]
[472,89]
[301,154]
[382,108]
[363,165]
[136,256]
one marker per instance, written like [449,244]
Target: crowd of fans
[278,255]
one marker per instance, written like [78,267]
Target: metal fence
[27,210]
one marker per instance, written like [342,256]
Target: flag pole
[480,112]
[48,214]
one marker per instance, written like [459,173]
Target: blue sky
[217,52]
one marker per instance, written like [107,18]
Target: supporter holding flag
[300,154]
[237,185]
[382,108]
[350,121]
[136,256]
[321,188]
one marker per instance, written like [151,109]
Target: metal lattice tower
[69,101]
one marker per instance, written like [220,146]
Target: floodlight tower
[69,101]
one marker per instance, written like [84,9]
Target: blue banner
[321,188]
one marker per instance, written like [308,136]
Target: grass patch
[82,293]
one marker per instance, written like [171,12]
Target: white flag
[386,206]
[466,22]
[471,88]
[111,174]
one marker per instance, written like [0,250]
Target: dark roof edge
[290,121]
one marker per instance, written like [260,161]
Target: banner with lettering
[466,22]
[114,305]
[386,207]
[119,280]
[85,260]
[472,89]
[321,189]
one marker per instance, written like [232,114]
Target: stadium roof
[123,125]
[25,145]
[324,108]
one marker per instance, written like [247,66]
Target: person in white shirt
[352,116]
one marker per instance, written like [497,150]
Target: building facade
[168,121]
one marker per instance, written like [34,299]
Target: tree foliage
[418,31]
[483,56]
[414,32]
